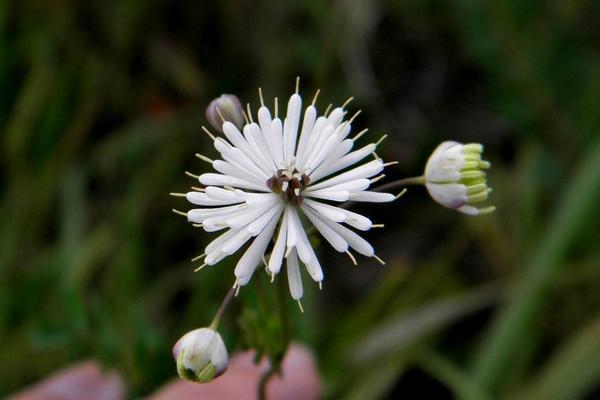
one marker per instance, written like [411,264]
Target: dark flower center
[289,185]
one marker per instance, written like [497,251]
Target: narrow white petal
[344,162]
[218,193]
[218,242]
[276,258]
[294,278]
[327,194]
[372,197]
[230,169]
[252,257]
[292,228]
[364,171]
[354,240]
[202,199]
[335,214]
[236,157]
[211,179]
[334,156]
[310,116]
[277,145]
[290,132]
[258,224]
[261,154]
[355,185]
[235,136]
[334,239]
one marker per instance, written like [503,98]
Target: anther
[355,138]
[192,175]
[352,258]
[380,140]
[379,260]
[401,193]
[347,102]
[208,133]
[204,158]
[314,100]
[200,267]
[201,256]
[180,212]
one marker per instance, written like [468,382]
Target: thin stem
[415,180]
[217,319]
[275,364]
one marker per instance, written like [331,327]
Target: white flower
[455,178]
[201,355]
[274,172]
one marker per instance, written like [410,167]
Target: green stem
[217,319]
[415,180]
[576,208]
[275,364]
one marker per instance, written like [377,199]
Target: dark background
[101,105]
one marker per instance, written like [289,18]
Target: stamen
[249,112]
[315,97]
[377,178]
[237,289]
[272,276]
[276,106]
[297,192]
[300,305]
[288,251]
[200,267]
[208,133]
[264,260]
[347,102]
[204,158]
[378,226]
[297,84]
[379,260]
[197,189]
[380,140]
[177,194]
[245,117]
[179,212]
[355,138]
[197,225]
[356,114]
[198,257]
[327,109]
[390,163]
[220,115]
[351,257]
[192,175]
[260,96]
[401,193]
[320,285]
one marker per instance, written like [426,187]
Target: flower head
[454,177]
[201,355]
[273,174]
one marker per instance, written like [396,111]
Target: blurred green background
[101,105]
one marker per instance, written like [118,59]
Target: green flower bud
[454,177]
[201,355]
[226,107]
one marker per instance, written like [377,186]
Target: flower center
[289,184]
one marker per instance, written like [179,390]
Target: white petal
[247,264]
[354,240]
[451,195]
[202,199]
[364,171]
[218,193]
[333,213]
[334,157]
[230,169]
[276,258]
[258,224]
[344,162]
[356,185]
[310,116]
[277,145]
[290,131]
[327,194]
[294,278]
[210,179]
[336,241]
[372,197]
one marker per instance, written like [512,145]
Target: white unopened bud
[201,355]
[454,177]
[226,107]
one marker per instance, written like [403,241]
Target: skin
[87,380]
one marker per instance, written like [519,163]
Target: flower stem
[217,319]
[275,363]
[415,180]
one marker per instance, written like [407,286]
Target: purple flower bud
[226,107]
